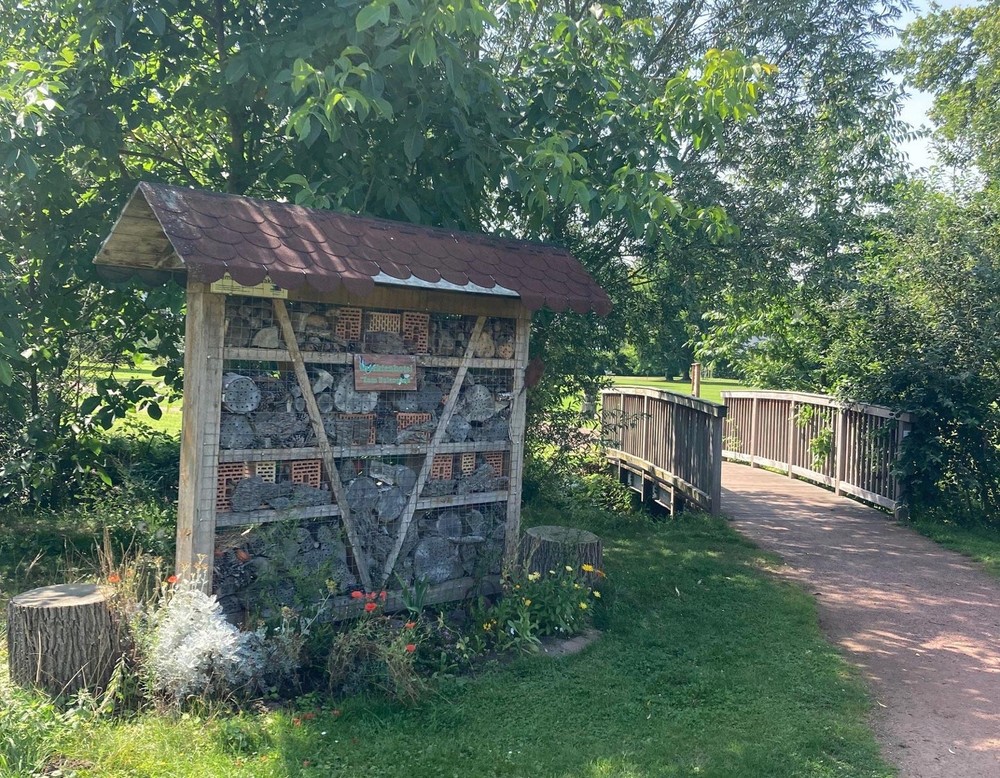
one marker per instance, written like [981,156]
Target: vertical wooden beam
[518,410]
[644,445]
[322,442]
[696,379]
[753,431]
[717,423]
[840,449]
[201,415]
[793,448]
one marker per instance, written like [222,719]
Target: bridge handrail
[849,447]
[670,441]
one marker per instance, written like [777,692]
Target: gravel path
[922,622]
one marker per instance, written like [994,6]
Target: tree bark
[62,639]
[552,548]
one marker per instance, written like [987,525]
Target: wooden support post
[840,449]
[715,497]
[201,415]
[517,424]
[406,517]
[753,432]
[322,442]
[644,438]
[901,510]
[696,379]
[793,448]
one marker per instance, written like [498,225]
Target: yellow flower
[534,576]
[583,606]
[517,586]
[597,594]
[577,586]
[488,626]
[587,568]
[526,602]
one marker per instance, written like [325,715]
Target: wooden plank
[456,500]
[241,518]
[705,406]
[715,485]
[281,314]
[518,422]
[343,358]
[820,400]
[357,452]
[200,419]
[396,298]
[840,449]
[406,518]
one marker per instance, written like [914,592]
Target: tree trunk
[62,639]
[551,548]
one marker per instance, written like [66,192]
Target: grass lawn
[979,543]
[169,422]
[711,388]
[707,666]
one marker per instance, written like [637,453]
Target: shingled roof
[206,234]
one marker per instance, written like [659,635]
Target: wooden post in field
[696,379]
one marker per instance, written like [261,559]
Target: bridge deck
[921,622]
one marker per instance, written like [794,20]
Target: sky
[917,103]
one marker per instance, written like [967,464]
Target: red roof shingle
[214,234]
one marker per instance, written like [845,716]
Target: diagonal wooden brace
[281,313]
[406,518]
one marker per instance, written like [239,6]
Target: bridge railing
[851,448]
[668,445]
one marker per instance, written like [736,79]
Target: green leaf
[371,15]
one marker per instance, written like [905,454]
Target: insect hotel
[360,381]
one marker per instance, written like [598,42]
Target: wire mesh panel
[413,410]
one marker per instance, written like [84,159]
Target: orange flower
[370,606]
[356,595]
[172,579]
[410,648]
[114,578]
[410,624]
[297,721]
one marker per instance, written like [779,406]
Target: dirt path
[921,622]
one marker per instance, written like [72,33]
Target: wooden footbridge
[670,447]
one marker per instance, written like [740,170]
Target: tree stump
[62,639]
[551,548]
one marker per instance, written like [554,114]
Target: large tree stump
[551,548]
[62,639]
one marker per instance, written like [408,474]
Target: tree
[954,54]
[408,109]
[920,333]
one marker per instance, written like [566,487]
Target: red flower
[356,595]
[370,606]
[114,578]
[410,648]
[371,596]
[172,579]
[410,624]
[382,596]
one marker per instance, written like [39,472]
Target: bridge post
[753,432]
[840,449]
[715,499]
[792,450]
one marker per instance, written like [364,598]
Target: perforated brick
[349,324]
[468,462]
[383,322]
[355,429]
[441,467]
[416,331]
[404,420]
[495,459]
[268,471]
[229,473]
[307,471]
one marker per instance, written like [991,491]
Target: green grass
[707,666]
[170,420]
[711,388]
[980,543]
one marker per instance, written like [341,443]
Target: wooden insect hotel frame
[361,382]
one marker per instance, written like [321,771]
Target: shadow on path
[922,622]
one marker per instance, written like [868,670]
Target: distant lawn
[711,388]
[169,422]
[707,665]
